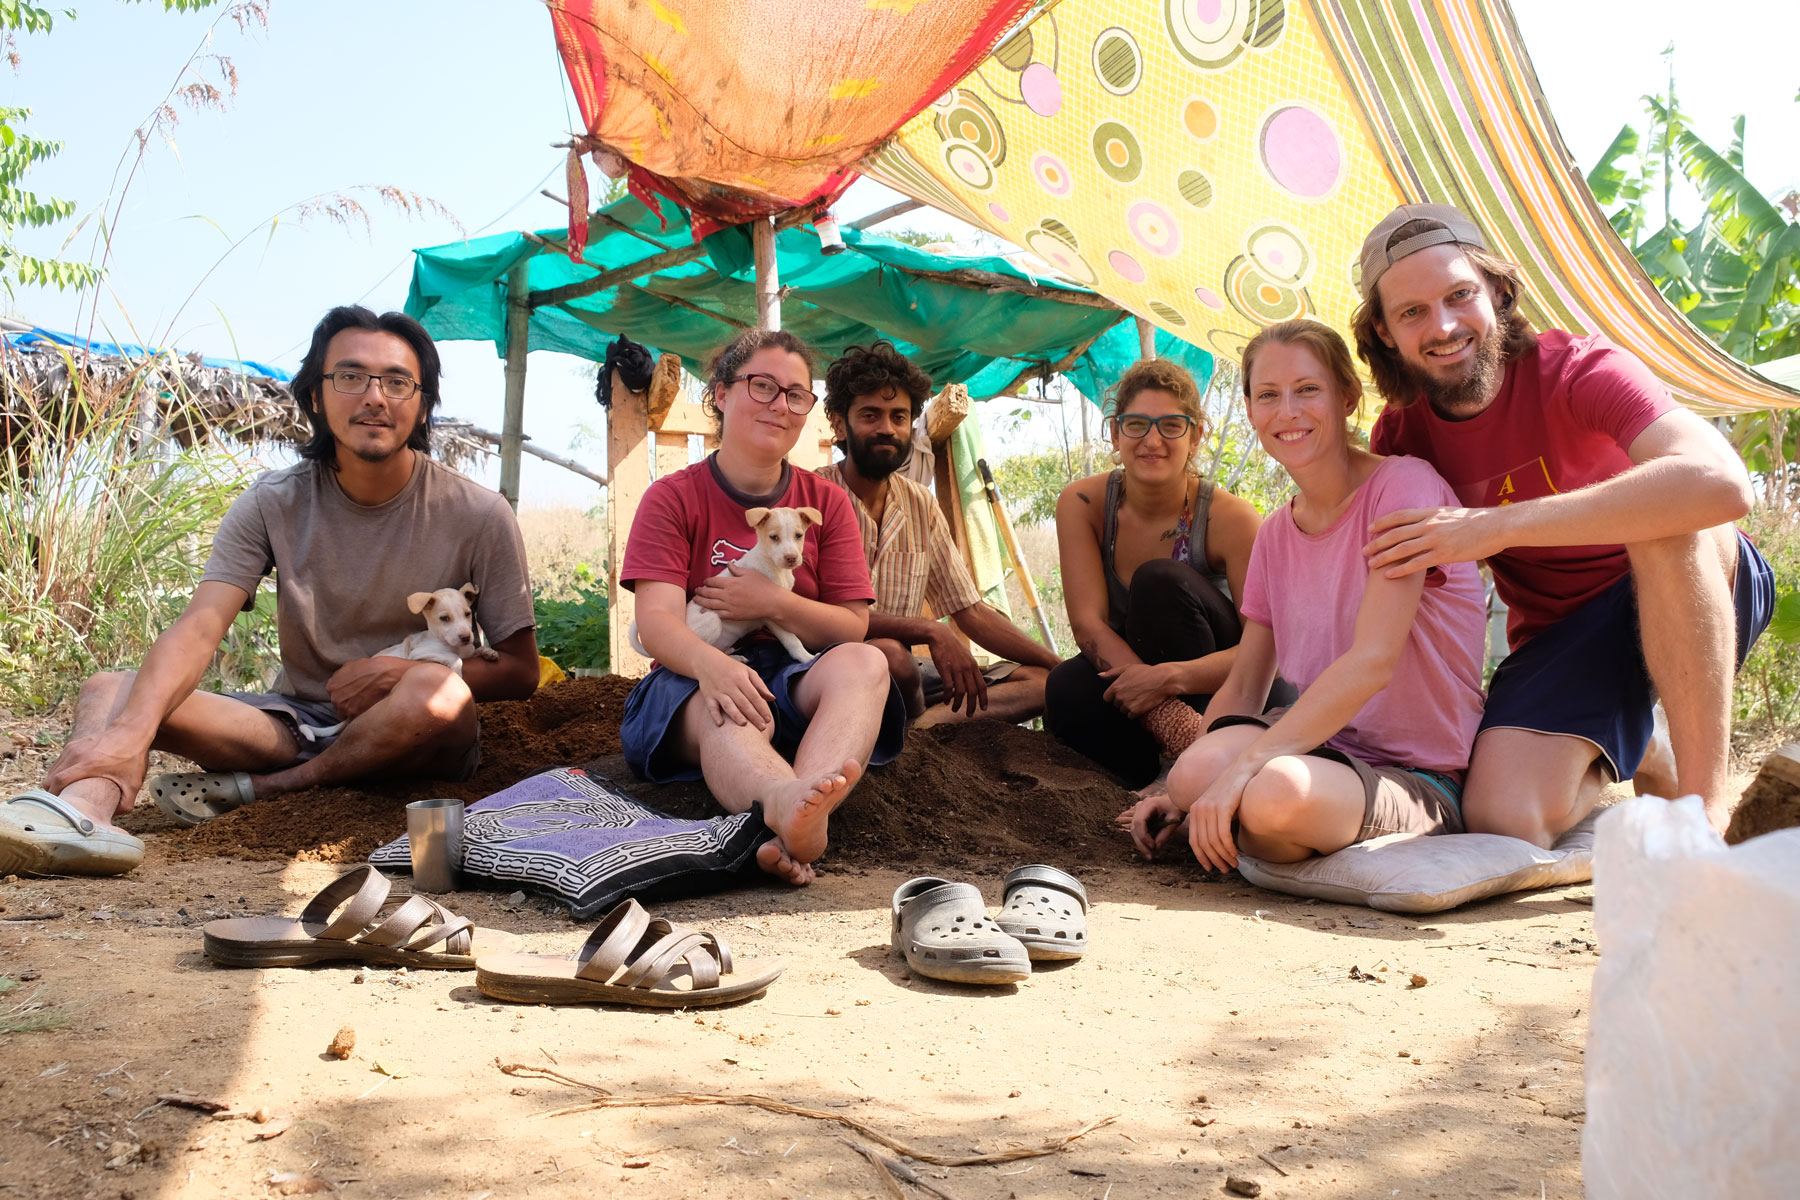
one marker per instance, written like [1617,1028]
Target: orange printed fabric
[749,108]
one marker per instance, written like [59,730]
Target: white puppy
[780,543]
[448,637]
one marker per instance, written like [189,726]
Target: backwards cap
[1378,256]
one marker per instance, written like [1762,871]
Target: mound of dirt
[568,722]
[956,792]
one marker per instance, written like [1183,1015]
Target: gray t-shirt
[343,570]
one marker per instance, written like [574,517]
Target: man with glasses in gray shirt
[362,521]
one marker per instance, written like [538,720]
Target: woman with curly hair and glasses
[1152,555]
[759,727]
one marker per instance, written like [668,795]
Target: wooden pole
[1146,338]
[628,469]
[768,275]
[1026,583]
[518,341]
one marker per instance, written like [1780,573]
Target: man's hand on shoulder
[1408,540]
[362,683]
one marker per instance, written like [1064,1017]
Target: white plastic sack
[1693,1057]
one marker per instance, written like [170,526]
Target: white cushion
[1413,873]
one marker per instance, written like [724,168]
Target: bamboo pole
[518,342]
[1026,584]
[768,275]
[1146,338]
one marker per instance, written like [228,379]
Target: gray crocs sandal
[943,932]
[43,834]
[1046,909]
[196,797]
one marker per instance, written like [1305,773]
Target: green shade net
[953,315]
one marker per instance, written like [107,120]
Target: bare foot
[798,811]
[773,857]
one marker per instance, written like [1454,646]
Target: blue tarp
[28,338]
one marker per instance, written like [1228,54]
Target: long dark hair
[311,376]
[1388,370]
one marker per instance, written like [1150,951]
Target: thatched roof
[193,402]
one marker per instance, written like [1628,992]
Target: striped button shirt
[912,555]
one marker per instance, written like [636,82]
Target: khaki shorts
[303,719]
[1395,799]
[934,682]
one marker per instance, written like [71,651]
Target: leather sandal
[630,958]
[354,934]
[942,930]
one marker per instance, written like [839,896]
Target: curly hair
[1159,374]
[877,370]
[730,358]
[1325,343]
[1393,379]
[322,446]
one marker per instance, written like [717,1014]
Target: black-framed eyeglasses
[764,388]
[355,383]
[1172,427]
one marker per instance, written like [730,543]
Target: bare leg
[426,721]
[216,731]
[905,672]
[1530,785]
[739,766]
[1298,806]
[1018,697]
[1687,624]
[1656,774]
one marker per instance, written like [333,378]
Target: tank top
[1190,545]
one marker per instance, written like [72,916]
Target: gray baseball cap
[1378,256]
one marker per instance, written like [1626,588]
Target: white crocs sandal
[43,834]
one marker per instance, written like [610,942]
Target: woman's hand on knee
[1209,821]
[733,692]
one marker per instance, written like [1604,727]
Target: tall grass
[102,537]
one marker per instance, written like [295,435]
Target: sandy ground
[1315,1049]
[1218,1024]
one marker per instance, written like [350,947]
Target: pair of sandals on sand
[630,958]
[943,931]
[43,834]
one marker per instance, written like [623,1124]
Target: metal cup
[434,830]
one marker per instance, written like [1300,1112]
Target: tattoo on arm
[1170,534]
[1091,649]
[1082,498]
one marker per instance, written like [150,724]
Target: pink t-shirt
[1307,588]
[690,524]
[1566,413]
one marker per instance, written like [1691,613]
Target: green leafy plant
[101,541]
[576,633]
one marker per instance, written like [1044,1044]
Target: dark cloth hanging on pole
[634,364]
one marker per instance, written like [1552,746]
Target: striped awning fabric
[1213,165]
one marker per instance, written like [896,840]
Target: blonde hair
[1325,343]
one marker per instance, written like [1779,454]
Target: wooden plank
[665,388]
[813,450]
[945,412]
[671,453]
[628,467]
[684,417]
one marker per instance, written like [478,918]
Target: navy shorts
[1585,676]
[651,707]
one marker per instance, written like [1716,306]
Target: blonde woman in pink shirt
[1389,670]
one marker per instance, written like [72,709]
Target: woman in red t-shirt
[757,726]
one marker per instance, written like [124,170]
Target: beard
[872,458]
[1469,396]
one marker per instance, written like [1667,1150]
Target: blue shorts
[651,707]
[1585,676]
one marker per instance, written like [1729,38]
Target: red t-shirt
[690,524]
[1564,417]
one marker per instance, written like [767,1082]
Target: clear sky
[460,102]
